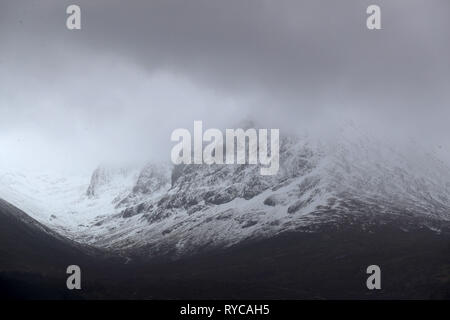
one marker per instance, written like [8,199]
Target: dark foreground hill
[327,261]
[34,259]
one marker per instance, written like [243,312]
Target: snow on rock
[160,207]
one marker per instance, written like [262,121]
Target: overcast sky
[139,69]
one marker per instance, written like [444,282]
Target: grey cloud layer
[289,62]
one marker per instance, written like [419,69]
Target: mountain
[327,261]
[225,231]
[193,207]
[160,208]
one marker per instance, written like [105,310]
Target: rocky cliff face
[161,207]
[153,180]
[188,207]
[106,178]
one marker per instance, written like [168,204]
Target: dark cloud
[139,69]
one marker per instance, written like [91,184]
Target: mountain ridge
[185,207]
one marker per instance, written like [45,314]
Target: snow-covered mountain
[161,208]
[68,204]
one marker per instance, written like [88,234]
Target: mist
[117,88]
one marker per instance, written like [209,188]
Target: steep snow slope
[67,204]
[44,197]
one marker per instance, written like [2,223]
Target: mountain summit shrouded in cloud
[86,118]
[337,207]
[185,208]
